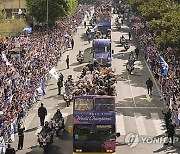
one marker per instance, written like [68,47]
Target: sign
[94,118]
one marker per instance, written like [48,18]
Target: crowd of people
[170,87]
[95,80]
[21,74]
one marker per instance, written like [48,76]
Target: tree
[71,4]
[56,9]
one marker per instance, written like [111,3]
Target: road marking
[140,124]
[38,130]
[48,117]
[65,114]
[29,119]
[120,127]
[141,107]
[131,91]
[157,123]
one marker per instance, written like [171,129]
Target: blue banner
[163,66]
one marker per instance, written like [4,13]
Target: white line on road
[48,117]
[157,123]
[65,114]
[140,124]
[131,91]
[38,130]
[29,119]
[141,107]
[120,127]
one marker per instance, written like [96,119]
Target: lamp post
[47,16]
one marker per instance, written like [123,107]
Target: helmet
[58,111]
[46,123]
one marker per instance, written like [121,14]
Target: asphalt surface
[139,117]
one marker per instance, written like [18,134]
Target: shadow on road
[30,130]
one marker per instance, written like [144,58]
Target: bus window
[82,104]
[104,104]
[83,133]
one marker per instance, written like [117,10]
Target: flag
[4,58]
[54,73]
[163,66]
[28,29]
[9,99]
[12,132]
[43,88]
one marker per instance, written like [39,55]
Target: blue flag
[43,88]
[9,99]
[163,66]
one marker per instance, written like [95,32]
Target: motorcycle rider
[47,130]
[131,56]
[69,81]
[88,31]
[58,116]
[80,54]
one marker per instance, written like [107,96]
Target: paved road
[136,111]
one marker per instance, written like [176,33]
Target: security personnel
[67,61]
[21,129]
[10,150]
[42,112]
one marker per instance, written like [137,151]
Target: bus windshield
[104,104]
[103,29]
[83,104]
[94,133]
[101,49]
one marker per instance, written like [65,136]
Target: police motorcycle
[126,46]
[130,63]
[68,95]
[117,23]
[45,137]
[80,57]
[57,123]
[122,40]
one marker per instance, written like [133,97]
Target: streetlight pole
[47,16]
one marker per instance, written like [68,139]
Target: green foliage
[56,9]
[2,17]
[11,27]
[164,17]
[71,4]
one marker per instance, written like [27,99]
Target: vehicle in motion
[94,120]
[101,52]
[45,139]
[103,26]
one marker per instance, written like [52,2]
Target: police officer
[42,112]
[10,150]
[167,117]
[60,83]
[72,43]
[171,132]
[137,52]
[149,85]
[67,61]
[21,129]
[58,115]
